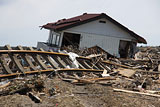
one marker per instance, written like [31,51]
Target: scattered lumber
[141,73]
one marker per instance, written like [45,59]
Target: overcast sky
[20,19]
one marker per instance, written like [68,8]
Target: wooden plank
[31,48]
[92,65]
[81,66]
[64,64]
[59,61]
[37,58]
[113,63]
[52,63]
[20,47]
[4,65]
[50,60]
[51,70]
[80,70]
[37,52]
[158,67]
[17,63]
[92,80]
[15,59]
[8,47]
[105,66]
[85,65]
[27,73]
[53,53]
[66,60]
[55,58]
[100,66]
[27,59]
[135,92]
[69,62]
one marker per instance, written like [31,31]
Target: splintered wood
[129,75]
[28,60]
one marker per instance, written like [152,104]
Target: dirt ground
[70,95]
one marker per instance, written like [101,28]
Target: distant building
[90,30]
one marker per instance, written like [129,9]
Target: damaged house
[88,30]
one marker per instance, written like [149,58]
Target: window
[102,21]
[54,38]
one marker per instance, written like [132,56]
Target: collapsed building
[88,30]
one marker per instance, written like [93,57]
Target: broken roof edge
[72,23]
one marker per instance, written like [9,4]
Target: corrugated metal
[107,29]
[110,44]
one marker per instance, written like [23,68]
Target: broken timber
[27,60]
[23,61]
[134,92]
[50,70]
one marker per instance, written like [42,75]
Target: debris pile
[137,76]
[23,86]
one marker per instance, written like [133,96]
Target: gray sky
[20,19]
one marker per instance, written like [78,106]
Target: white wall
[110,44]
[107,29]
[106,35]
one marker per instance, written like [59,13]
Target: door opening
[71,39]
[124,48]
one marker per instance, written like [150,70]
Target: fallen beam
[46,71]
[135,92]
[35,52]
[80,70]
[113,63]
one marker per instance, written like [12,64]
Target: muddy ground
[70,95]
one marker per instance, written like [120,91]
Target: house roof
[85,18]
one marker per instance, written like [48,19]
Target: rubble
[139,76]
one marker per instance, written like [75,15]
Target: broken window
[54,39]
[71,39]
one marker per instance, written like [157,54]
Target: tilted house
[90,30]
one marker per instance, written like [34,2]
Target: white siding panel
[106,35]
[110,44]
[107,29]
